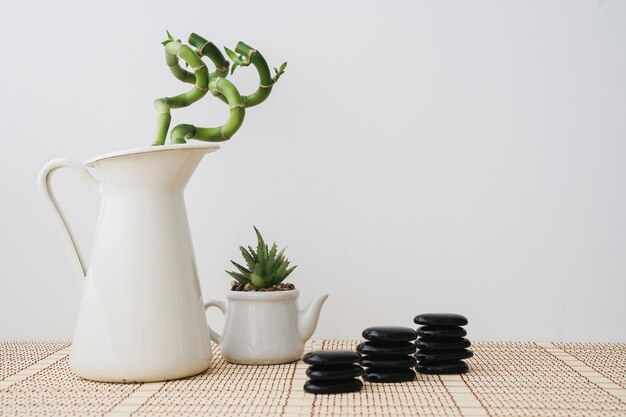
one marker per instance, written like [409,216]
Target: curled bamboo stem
[254,57]
[163,105]
[208,49]
[178,71]
[183,132]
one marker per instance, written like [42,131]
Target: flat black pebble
[333,387]
[331,357]
[388,375]
[433,346]
[454,367]
[440,319]
[389,334]
[386,348]
[444,356]
[333,372]
[441,339]
[402,361]
[441,331]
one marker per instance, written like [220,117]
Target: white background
[416,156]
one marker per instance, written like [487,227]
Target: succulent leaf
[258,236]
[239,277]
[261,250]
[280,272]
[250,261]
[244,271]
[257,281]
[289,271]
[253,253]
[271,259]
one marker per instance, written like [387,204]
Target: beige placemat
[608,359]
[17,356]
[506,379]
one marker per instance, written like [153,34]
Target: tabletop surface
[505,379]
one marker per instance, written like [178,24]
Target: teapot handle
[216,337]
[45,187]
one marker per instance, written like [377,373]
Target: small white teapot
[265,328]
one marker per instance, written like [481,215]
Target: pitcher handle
[86,177]
[216,337]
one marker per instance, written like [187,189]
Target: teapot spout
[308,317]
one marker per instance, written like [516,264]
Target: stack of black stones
[333,371]
[442,346]
[388,354]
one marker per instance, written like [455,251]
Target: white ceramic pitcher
[141,315]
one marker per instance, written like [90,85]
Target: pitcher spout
[156,167]
[309,316]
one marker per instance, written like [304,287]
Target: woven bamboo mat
[506,379]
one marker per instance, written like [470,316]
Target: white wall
[417,156]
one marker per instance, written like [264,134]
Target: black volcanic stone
[454,367]
[389,334]
[388,375]
[441,331]
[331,357]
[440,339]
[402,361]
[434,346]
[333,387]
[386,348]
[440,319]
[444,356]
[333,372]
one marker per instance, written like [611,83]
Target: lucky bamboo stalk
[215,82]
[176,49]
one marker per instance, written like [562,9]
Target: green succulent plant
[266,267]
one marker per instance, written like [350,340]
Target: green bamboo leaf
[169,35]
[232,55]
[239,277]
[282,67]
[241,269]
[232,69]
